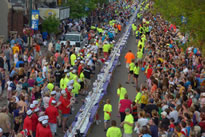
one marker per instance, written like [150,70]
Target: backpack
[13,86]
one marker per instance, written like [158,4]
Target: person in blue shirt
[153,127]
[13,73]
[40,79]
[12,42]
[19,63]
[58,46]
[44,35]
[103,38]
[19,40]
[187,83]
[110,35]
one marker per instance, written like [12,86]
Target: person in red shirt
[80,67]
[52,113]
[34,119]
[39,125]
[65,108]
[53,96]
[68,92]
[27,125]
[44,130]
[149,74]
[124,103]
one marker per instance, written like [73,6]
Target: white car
[76,39]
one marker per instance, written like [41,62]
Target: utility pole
[30,22]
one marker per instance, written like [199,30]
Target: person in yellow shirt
[128,124]
[15,49]
[114,131]
[66,79]
[72,59]
[82,78]
[138,97]
[121,91]
[106,48]
[134,28]
[144,99]
[139,55]
[107,113]
[50,85]
[76,87]
[62,86]
[131,69]
[136,73]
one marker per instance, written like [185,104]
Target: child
[171,126]
[107,113]
[134,111]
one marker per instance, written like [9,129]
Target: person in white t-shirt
[45,70]
[9,89]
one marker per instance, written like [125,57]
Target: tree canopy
[193,11]
[51,25]
[81,8]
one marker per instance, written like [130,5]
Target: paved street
[119,76]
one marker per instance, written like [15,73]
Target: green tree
[192,10]
[81,8]
[51,25]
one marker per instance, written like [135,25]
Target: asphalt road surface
[119,76]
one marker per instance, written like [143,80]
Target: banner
[35,19]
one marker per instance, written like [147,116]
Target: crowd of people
[43,85]
[171,101]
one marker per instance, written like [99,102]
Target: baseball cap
[36,110]
[41,118]
[164,113]
[53,92]
[53,101]
[127,110]
[32,106]
[35,102]
[70,87]
[74,71]
[29,112]
[44,122]
[71,82]
[63,92]
[46,117]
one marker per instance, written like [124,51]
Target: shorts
[136,75]
[65,115]
[82,85]
[105,121]
[105,55]
[53,127]
[101,50]
[127,135]
[137,37]
[131,72]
